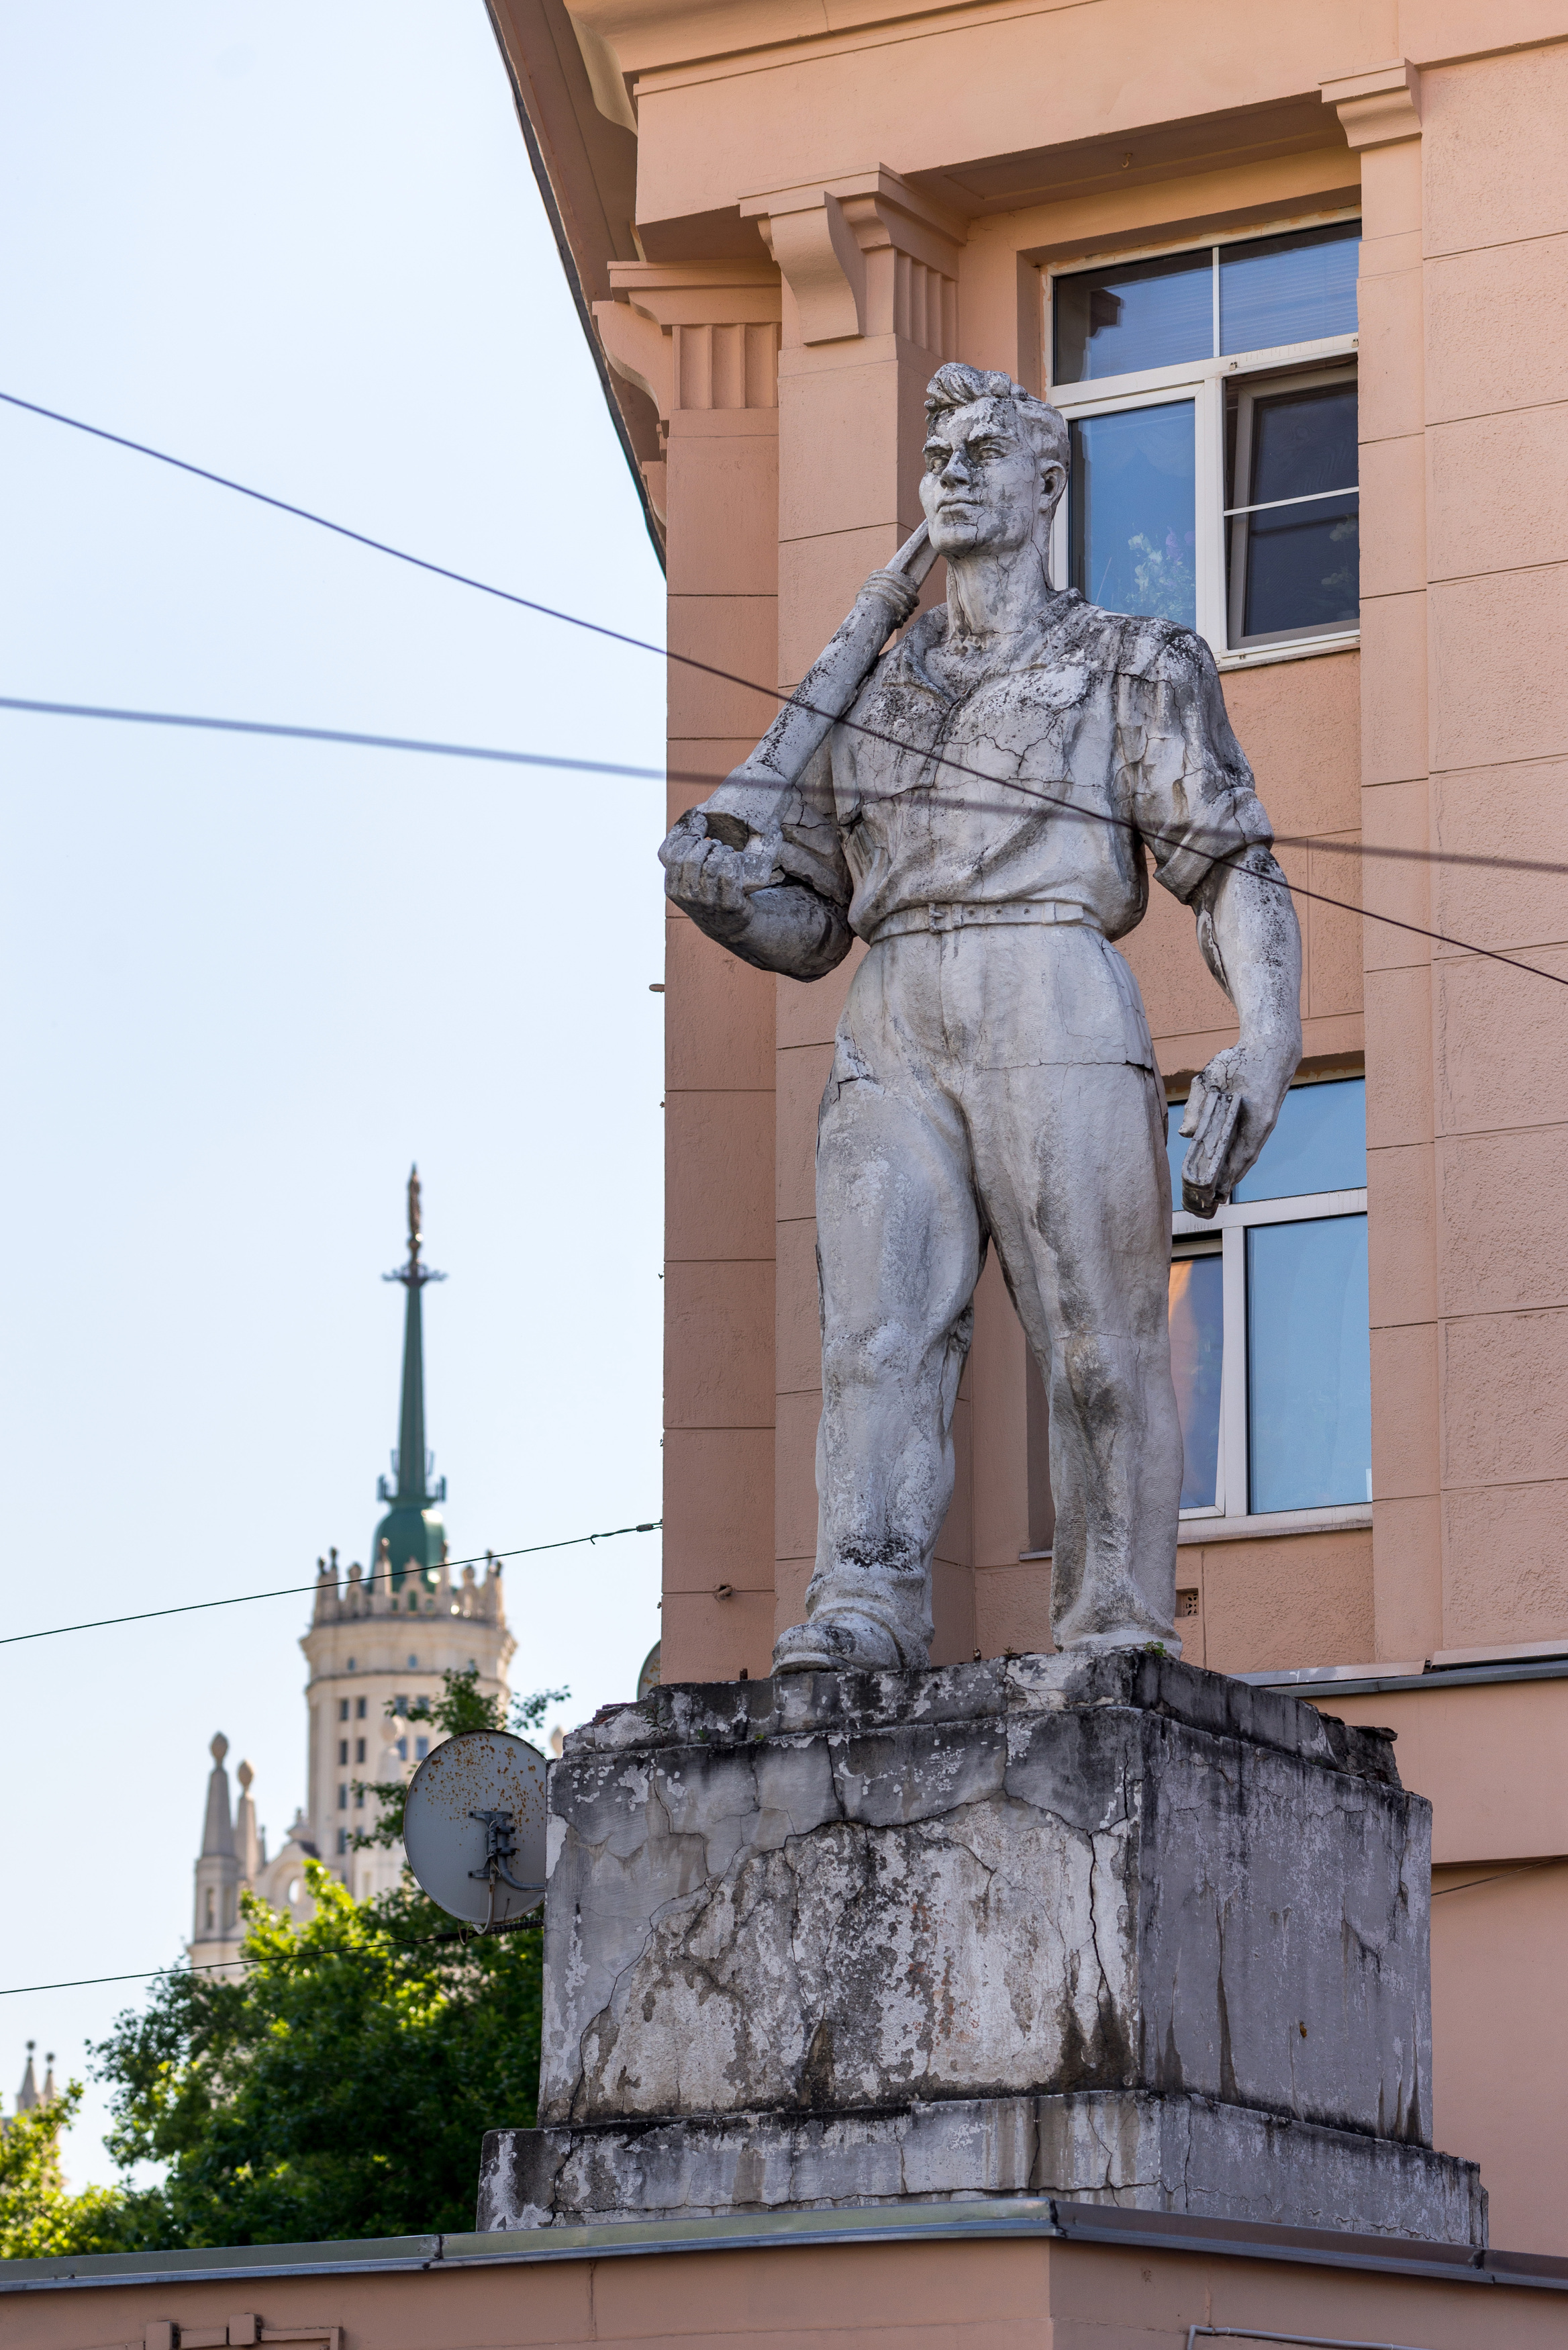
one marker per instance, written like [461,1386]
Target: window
[1269,1323]
[1210,405]
[342,1708]
[358,1798]
[403,1750]
[422,1748]
[400,1705]
[359,1750]
[211,1911]
[342,1840]
[1269,1330]
[342,1752]
[359,1703]
[342,1798]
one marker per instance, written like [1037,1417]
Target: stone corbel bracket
[864,256]
[1377,108]
[693,336]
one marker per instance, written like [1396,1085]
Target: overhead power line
[709,669]
[292,1590]
[330,734]
[223,1966]
[517,1925]
[606,767]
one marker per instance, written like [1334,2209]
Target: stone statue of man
[976,804]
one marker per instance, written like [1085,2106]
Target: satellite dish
[474,1826]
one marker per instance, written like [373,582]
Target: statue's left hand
[1226,1139]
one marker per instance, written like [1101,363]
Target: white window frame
[1203,382]
[1231,1513]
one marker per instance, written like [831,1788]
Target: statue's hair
[958,386]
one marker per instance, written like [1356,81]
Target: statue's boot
[841,1640]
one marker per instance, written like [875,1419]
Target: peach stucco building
[1298,275]
[1209,229]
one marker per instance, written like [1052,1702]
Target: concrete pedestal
[1110,1927]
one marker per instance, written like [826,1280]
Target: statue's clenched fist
[712,879]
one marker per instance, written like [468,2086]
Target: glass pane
[1145,314]
[1309,1365]
[1288,289]
[1197,1354]
[1303,561]
[1318,1145]
[1132,511]
[1303,569]
[1303,442]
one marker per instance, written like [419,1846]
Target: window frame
[1263,385]
[1204,383]
[1231,1512]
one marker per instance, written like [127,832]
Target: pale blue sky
[245,983]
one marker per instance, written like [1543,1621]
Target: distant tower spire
[411,1529]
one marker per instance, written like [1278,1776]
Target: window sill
[1352,1517]
[1305,648]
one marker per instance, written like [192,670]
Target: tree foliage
[38,2216]
[341,2085]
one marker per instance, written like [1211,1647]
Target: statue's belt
[939,919]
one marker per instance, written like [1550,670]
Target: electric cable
[292,1590]
[663,652]
[222,1966]
[1026,791]
[337,734]
[516,1925]
[666,774]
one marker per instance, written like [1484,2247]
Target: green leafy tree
[340,2086]
[39,2218]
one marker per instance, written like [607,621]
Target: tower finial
[411,1527]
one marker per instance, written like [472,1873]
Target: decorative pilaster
[1381,117]
[702,338]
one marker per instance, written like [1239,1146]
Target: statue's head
[996,463]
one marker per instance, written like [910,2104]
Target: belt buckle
[944,917]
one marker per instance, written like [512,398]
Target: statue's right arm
[760,866]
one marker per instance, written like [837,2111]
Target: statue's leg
[1074,1176]
[899,1248]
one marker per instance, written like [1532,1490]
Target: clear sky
[245,983]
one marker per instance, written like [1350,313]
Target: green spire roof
[413,1528]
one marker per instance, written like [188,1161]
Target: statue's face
[984,489]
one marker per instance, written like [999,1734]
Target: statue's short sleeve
[1191,788]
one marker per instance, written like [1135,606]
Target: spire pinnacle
[410,1526]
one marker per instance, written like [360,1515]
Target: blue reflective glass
[1318,1145]
[1309,1365]
[1197,1358]
[1141,314]
[1289,290]
[1131,523]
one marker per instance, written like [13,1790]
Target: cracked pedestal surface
[1105,1927]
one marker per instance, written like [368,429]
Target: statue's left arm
[1213,846]
[1252,941]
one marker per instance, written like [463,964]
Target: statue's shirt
[925,797]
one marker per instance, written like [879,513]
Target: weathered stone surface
[1126,2148]
[834,1894]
